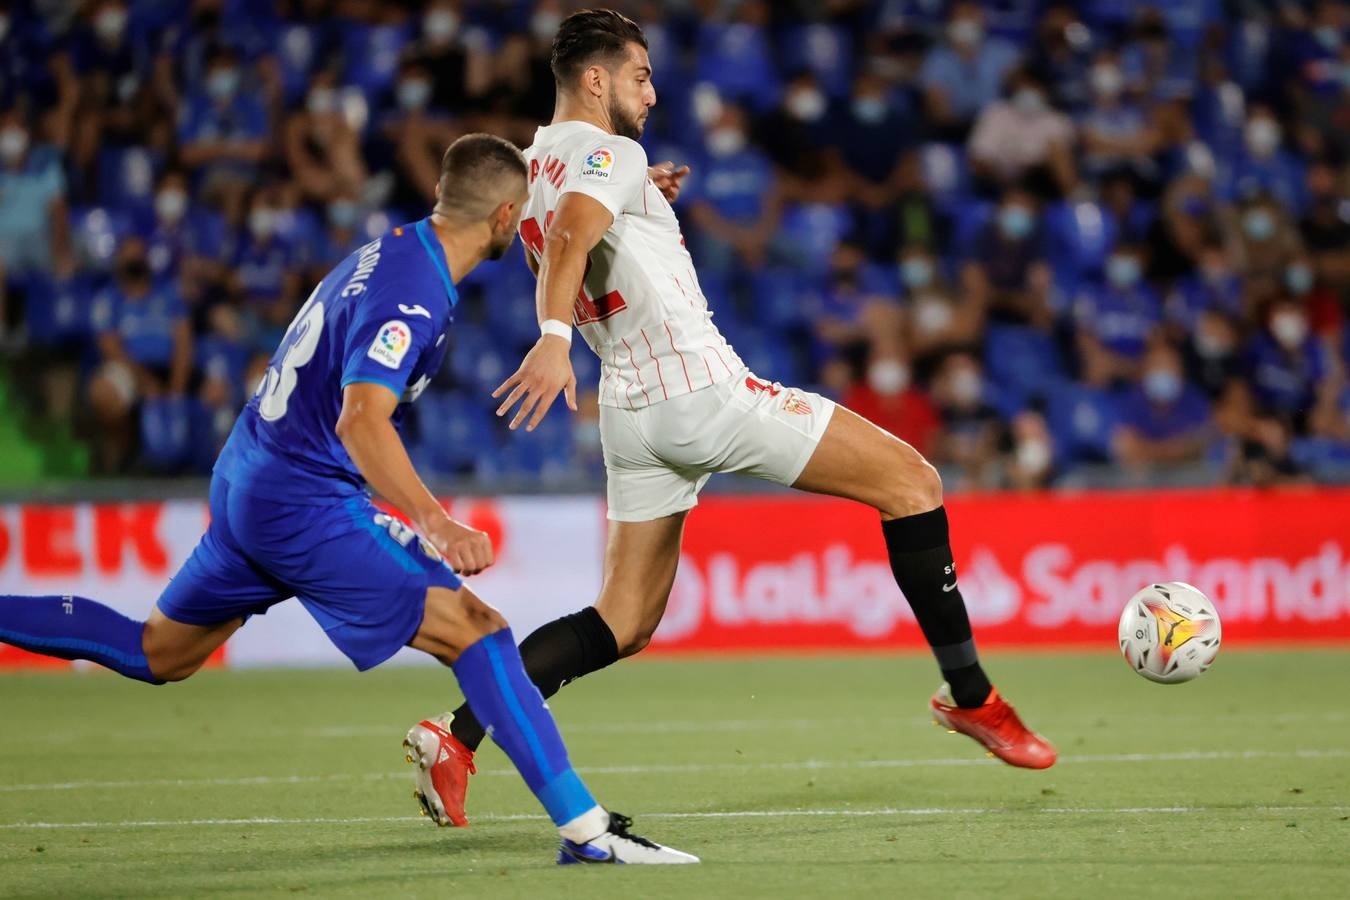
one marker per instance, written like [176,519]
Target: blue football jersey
[380,316]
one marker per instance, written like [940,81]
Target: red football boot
[444,765]
[997,727]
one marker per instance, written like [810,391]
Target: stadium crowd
[1030,238]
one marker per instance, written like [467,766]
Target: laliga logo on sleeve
[598,165]
[391,344]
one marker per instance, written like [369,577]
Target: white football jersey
[640,308]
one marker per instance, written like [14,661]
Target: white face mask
[932,315]
[965,33]
[1028,100]
[13,143]
[414,93]
[170,205]
[1107,81]
[322,101]
[111,23]
[1290,329]
[966,386]
[726,141]
[869,109]
[807,105]
[1033,456]
[1263,136]
[262,223]
[440,25]
[888,377]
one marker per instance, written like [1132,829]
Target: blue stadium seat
[126,177]
[1023,359]
[813,231]
[779,301]
[1082,419]
[1080,237]
[97,231]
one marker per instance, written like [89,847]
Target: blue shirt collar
[437,254]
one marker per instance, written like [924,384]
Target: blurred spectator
[971,427]
[887,397]
[1032,465]
[145,349]
[796,135]
[223,131]
[964,73]
[736,202]
[1164,418]
[939,317]
[322,150]
[1006,268]
[1266,166]
[1024,140]
[33,225]
[1286,363]
[1326,226]
[1116,320]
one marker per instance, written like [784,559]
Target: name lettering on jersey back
[552,171]
[366,262]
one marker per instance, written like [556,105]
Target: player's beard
[625,124]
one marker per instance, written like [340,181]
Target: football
[1169,632]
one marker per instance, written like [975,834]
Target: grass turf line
[1254,752]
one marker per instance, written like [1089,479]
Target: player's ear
[595,80]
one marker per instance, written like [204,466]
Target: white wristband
[557,328]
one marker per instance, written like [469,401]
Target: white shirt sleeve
[611,169]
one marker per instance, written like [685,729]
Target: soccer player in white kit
[677,404]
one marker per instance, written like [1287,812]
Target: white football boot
[617,845]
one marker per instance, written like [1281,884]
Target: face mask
[170,205]
[1263,136]
[869,109]
[322,101]
[1122,271]
[726,141]
[1107,81]
[262,223]
[13,143]
[1258,224]
[888,377]
[966,387]
[1029,100]
[111,23]
[1015,221]
[414,93]
[1033,456]
[222,83]
[1162,386]
[1289,328]
[807,105]
[343,213]
[440,25]
[932,316]
[1327,36]
[917,273]
[1212,346]
[965,33]
[1298,278]
[545,24]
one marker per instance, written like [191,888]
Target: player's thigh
[453,621]
[174,650]
[859,461]
[640,563]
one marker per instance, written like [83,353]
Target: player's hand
[546,370]
[667,178]
[466,550]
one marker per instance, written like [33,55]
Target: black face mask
[136,270]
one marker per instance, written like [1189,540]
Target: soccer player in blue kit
[291,516]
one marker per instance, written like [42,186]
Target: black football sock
[921,559]
[554,654]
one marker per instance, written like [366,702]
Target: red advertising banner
[811,573]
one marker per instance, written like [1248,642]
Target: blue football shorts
[361,574]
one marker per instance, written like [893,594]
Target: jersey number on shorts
[588,309]
[297,348]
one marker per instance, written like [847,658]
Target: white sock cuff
[586,827]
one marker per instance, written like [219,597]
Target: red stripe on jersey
[642,384]
[704,357]
[682,291]
[689,383]
[659,377]
[720,359]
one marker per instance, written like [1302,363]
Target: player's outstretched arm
[579,223]
[375,446]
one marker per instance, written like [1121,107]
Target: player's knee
[914,486]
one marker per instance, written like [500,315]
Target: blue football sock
[75,628]
[510,707]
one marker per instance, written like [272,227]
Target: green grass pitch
[790,777]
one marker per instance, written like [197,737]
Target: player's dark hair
[475,171]
[590,36]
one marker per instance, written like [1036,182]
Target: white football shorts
[658,458]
